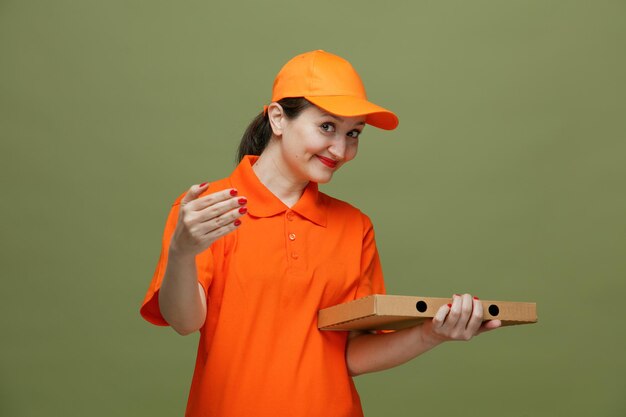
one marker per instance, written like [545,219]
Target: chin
[324,181]
[321,179]
[320,174]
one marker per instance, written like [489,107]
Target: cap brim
[349,106]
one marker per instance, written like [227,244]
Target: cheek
[306,138]
[313,141]
[351,151]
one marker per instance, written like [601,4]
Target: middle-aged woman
[250,259]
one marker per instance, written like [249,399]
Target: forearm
[181,301]
[460,320]
[376,352]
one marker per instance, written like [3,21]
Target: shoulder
[344,210]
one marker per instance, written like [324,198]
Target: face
[316,143]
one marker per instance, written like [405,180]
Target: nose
[338,148]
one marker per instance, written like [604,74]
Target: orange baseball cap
[331,83]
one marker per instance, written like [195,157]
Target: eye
[354,133]
[327,127]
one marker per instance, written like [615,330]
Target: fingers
[194,192]
[202,220]
[440,317]
[214,198]
[489,325]
[476,318]
[218,216]
[458,316]
[462,319]
[222,226]
[220,206]
[213,211]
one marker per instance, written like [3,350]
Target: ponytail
[259,132]
[256,137]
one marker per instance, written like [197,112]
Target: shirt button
[292,236]
[290,216]
[294,255]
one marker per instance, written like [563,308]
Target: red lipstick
[330,163]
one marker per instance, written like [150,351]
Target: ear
[276,116]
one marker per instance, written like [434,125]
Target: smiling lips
[330,163]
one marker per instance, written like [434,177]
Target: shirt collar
[262,203]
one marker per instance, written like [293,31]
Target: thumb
[194,192]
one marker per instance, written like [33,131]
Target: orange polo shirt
[260,352]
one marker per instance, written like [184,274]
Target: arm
[201,222]
[181,297]
[375,352]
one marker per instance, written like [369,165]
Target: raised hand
[203,220]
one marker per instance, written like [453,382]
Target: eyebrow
[340,119]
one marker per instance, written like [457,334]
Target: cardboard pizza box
[394,312]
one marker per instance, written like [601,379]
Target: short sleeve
[150,310]
[372,281]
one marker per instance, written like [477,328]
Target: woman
[253,285]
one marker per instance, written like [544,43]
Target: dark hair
[258,134]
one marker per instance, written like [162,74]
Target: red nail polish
[243,210]
[476,298]
[449,305]
[457,295]
[242,201]
[237,222]
[233,192]
[203,184]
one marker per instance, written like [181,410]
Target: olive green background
[506,178]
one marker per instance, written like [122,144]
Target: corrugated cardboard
[394,312]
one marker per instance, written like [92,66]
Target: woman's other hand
[460,320]
[203,220]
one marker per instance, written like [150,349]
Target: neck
[276,177]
